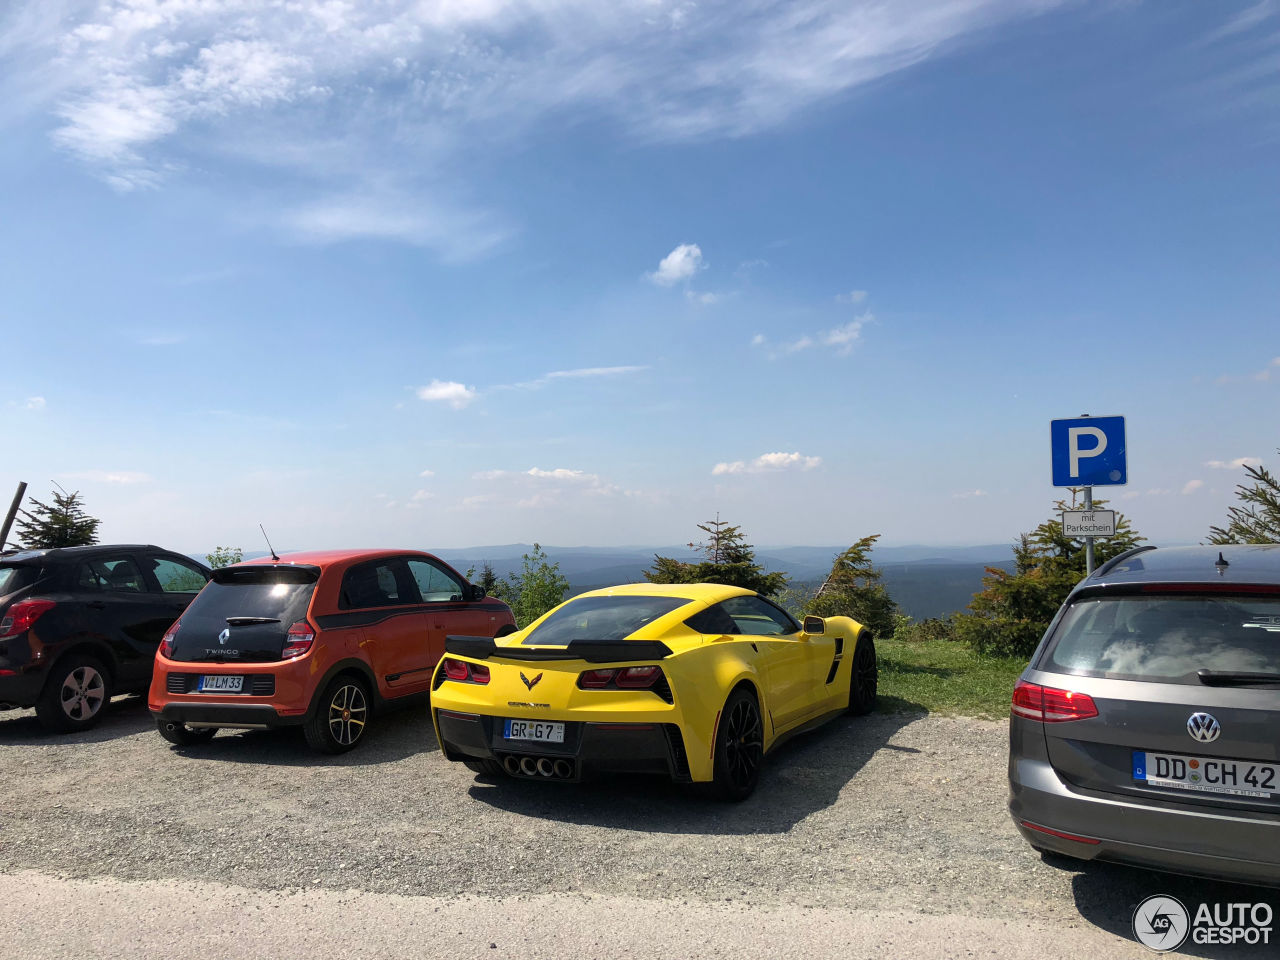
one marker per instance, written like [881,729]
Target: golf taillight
[166,642]
[297,641]
[22,615]
[1051,705]
[620,678]
[464,672]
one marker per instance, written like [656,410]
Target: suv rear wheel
[340,717]
[75,694]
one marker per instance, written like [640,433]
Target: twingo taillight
[297,641]
[166,642]
[22,615]
[1051,705]
[464,672]
[637,678]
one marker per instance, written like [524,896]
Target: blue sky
[449,273]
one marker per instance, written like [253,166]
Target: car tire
[75,695]
[864,677]
[488,768]
[341,716]
[181,735]
[739,747]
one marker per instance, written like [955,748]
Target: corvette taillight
[22,615]
[1051,705]
[166,642]
[297,641]
[464,672]
[620,678]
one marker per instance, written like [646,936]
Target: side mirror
[815,626]
[475,591]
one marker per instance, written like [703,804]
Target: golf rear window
[1166,638]
[601,618]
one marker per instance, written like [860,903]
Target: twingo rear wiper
[247,621]
[1236,678]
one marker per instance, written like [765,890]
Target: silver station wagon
[1146,729]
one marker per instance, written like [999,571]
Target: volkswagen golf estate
[1146,729]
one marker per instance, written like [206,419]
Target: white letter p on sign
[1073,446]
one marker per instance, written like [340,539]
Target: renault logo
[225,635]
[1203,727]
[530,683]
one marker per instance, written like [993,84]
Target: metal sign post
[1088,451]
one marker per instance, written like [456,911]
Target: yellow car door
[785,658]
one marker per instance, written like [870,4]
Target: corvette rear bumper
[588,747]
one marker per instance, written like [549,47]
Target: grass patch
[943,676]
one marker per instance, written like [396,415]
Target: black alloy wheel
[864,677]
[340,717]
[739,746]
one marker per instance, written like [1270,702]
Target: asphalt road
[876,837]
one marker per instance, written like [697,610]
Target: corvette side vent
[679,759]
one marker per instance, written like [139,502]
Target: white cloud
[1235,464]
[561,473]
[109,476]
[427,473]
[768,463]
[853,296]
[841,339]
[758,340]
[969,494]
[1192,486]
[581,373]
[703,299]
[456,395]
[419,498]
[680,264]
[34,403]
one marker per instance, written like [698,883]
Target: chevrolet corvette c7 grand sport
[697,681]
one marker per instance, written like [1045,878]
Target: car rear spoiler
[592,651]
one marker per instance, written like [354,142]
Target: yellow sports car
[697,681]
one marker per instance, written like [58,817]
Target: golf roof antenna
[269,546]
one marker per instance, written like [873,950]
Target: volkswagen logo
[1203,727]
[225,635]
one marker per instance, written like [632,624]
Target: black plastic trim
[592,651]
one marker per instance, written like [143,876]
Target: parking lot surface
[883,836]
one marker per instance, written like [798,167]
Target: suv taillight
[1051,705]
[22,615]
[297,641]
[166,642]
[464,672]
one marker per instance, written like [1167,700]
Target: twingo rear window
[1166,638]
[601,618]
[279,592]
[16,577]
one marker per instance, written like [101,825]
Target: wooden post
[13,512]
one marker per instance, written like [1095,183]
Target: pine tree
[65,524]
[1258,521]
[1013,610]
[854,589]
[729,559]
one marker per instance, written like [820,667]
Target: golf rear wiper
[1235,678]
[246,621]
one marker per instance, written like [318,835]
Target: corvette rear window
[601,618]
[1166,638]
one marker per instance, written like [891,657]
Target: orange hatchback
[321,640]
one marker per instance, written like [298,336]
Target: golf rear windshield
[601,618]
[1166,638]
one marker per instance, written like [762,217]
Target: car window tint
[434,584]
[16,577]
[176,577]
[372,585]
[111,575]
[1165,638]
[712,621]
[754,617]
[601,618]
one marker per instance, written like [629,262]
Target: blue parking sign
[1088,452]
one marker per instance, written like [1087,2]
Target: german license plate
[220,684]
[1236,778]
[535,730]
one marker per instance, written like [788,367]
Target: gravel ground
[891,815]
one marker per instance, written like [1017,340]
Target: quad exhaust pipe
[546,767]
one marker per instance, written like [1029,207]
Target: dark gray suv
[1146,729]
